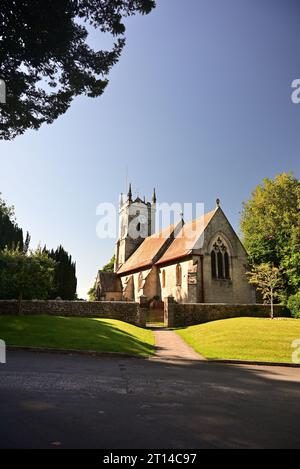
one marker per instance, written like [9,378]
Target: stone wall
[132,313]
[181,315]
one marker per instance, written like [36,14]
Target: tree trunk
[20,302]
[272,305]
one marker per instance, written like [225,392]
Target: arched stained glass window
[213,264]
[220,260]
[164,279]
[226,264]
[178,275]
[220,265]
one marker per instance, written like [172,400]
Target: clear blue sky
[198,106]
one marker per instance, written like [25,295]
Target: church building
[201,261]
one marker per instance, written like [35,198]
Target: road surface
[69,401]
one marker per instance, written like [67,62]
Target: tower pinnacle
[130,193]
[154,198]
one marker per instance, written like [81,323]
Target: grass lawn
[101,335]
[244,339]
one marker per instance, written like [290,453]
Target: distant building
[202,261]
[108,287]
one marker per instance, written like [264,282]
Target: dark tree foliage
[25,276]
[11,236]
[110,266]
[65,281]
[46,61]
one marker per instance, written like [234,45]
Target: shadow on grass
[76,333]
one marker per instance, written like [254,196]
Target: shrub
[294,305]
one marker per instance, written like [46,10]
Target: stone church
[202,261]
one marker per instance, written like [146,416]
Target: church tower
[136,222]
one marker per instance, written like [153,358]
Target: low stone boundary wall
[189,314]
[132,313]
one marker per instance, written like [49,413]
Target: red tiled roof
[145,255]
[187,239]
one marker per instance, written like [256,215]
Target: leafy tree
[294,305]
[5,209]
[110,267]
[11,236]
[92,293]
[268,280]
[271,227]
[25,275]
[65,281]
[45,58]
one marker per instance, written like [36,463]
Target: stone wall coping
[189,314]
[130,312]
[72,301]
[228,304]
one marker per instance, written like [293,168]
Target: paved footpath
[170,346]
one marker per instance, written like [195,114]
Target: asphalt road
[61,401]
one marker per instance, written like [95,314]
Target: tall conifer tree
[65,281]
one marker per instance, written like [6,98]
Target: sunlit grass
[100,335]
[244,339]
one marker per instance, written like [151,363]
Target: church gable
[220,227]
[224,264]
